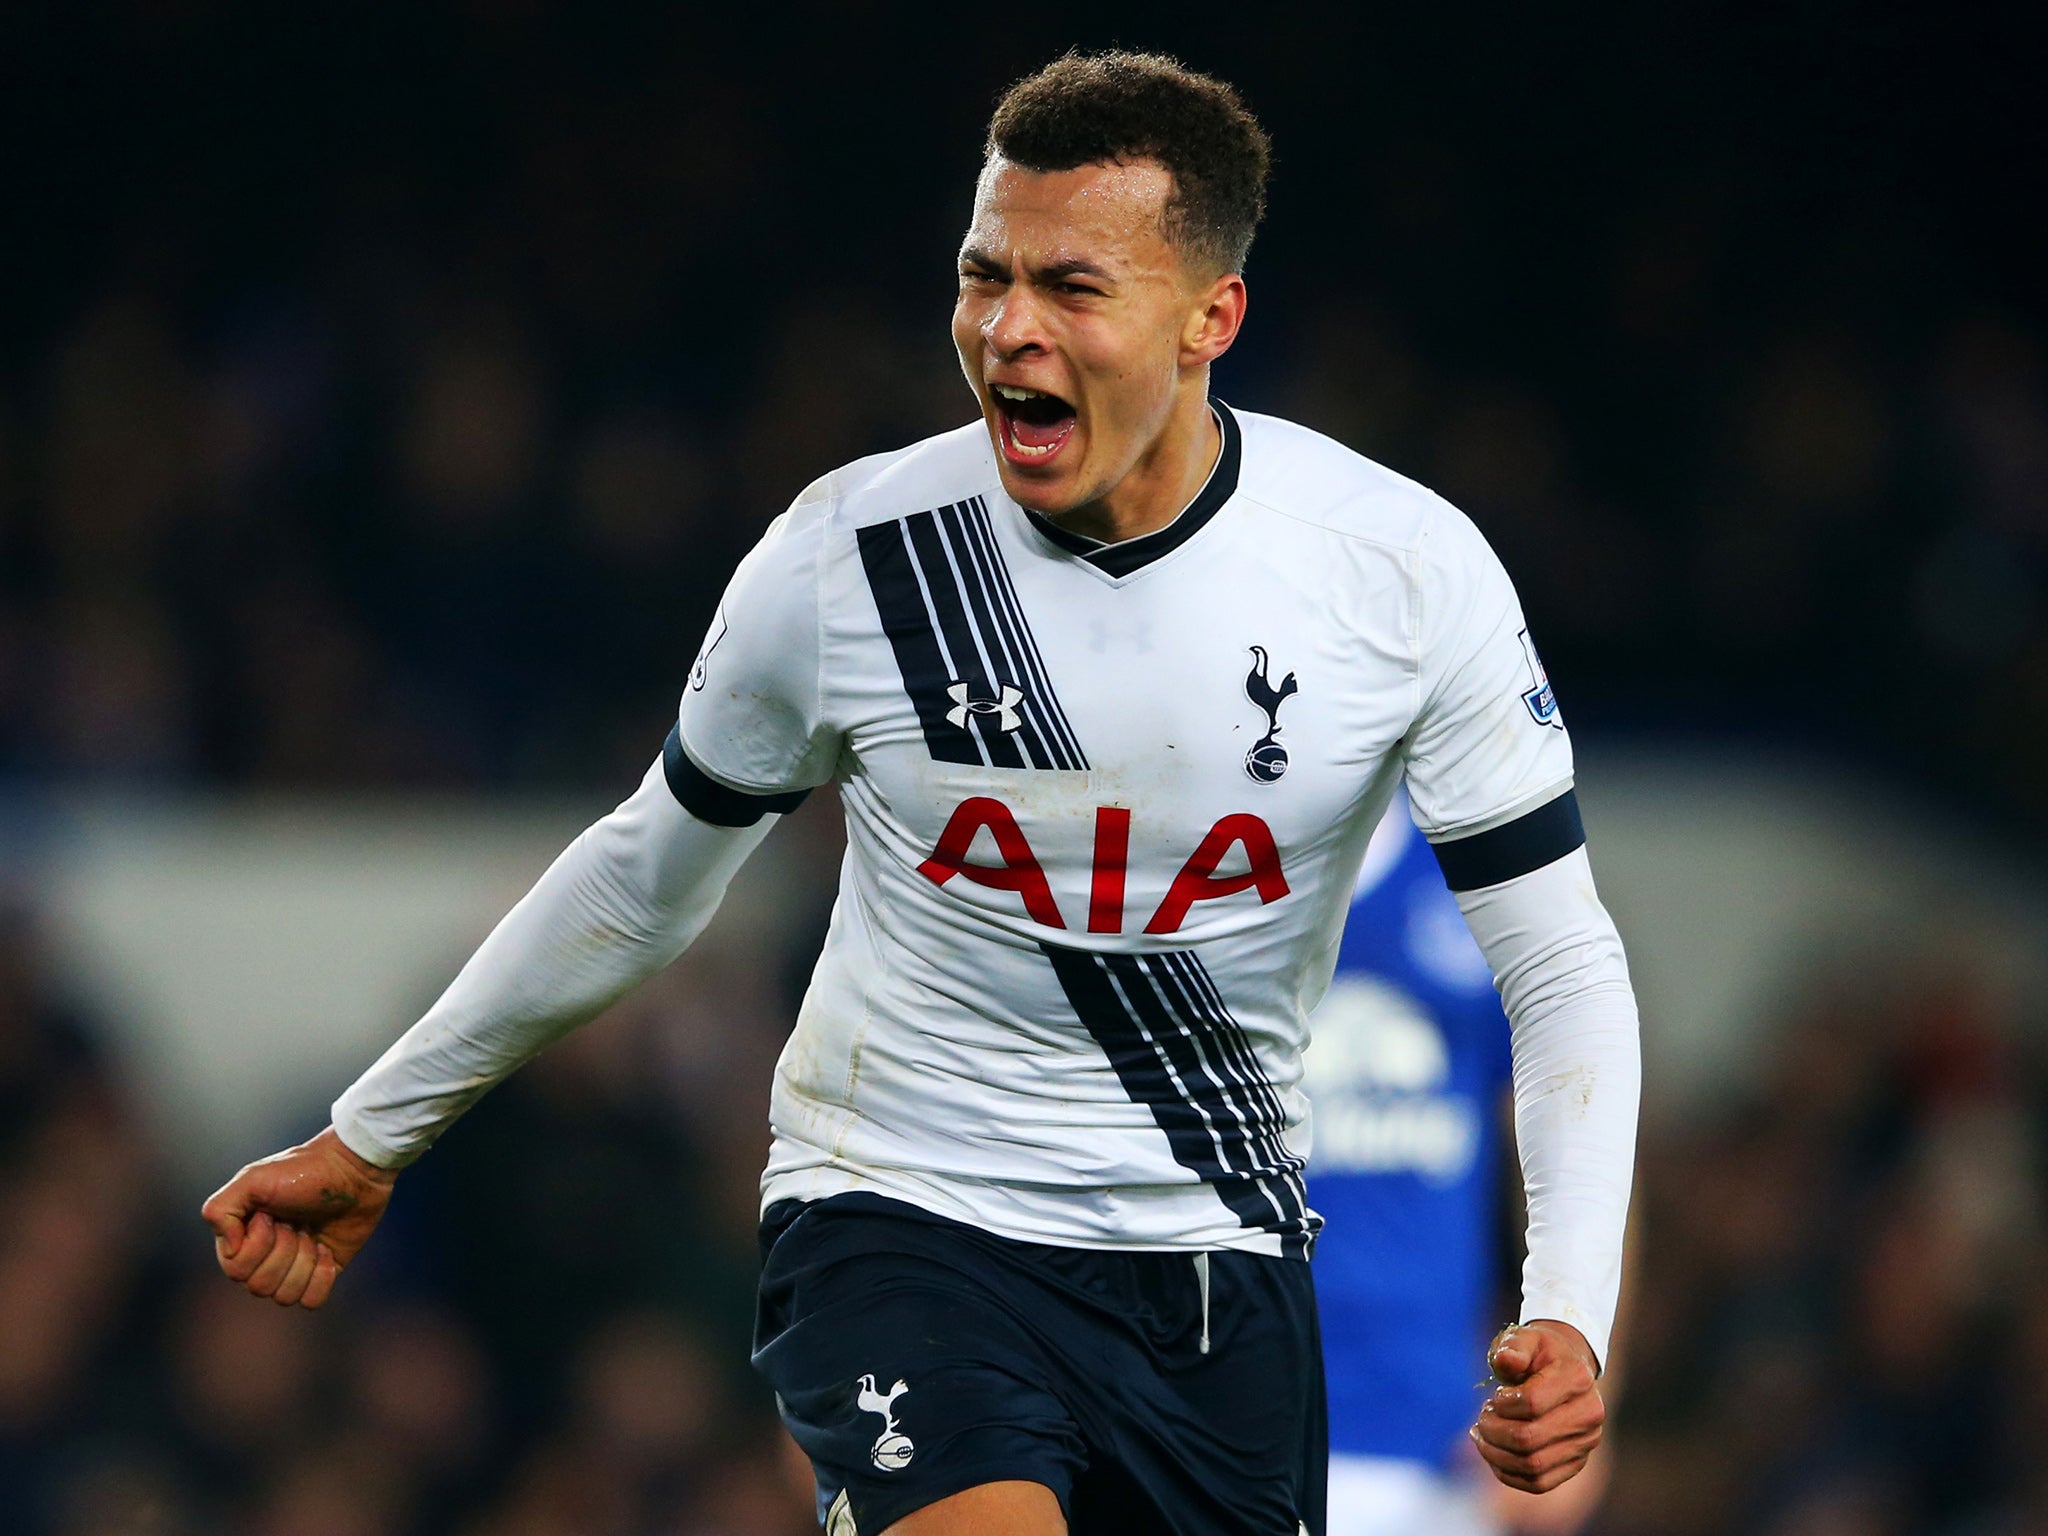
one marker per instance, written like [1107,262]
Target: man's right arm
[620,903]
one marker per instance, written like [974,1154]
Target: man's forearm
[622,901]
[1577,1078]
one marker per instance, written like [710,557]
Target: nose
[1015,328]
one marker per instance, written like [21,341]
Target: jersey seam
[829,506]
[859,518]
[853,1055]
[1410,552]
[739,786]
[1425,695]
[1409,546]
[1501,817]
[825,517]
[1415,628]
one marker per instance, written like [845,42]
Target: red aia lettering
[1020,871]
[1112,858]
[1198,880]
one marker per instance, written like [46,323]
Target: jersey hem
[803,1186]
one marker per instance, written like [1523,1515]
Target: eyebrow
[1072,266]
[1052,271]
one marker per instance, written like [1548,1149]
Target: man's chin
[1050,492]
[1036,495]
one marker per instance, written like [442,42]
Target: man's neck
[1161,484]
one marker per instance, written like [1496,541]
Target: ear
[1213,321]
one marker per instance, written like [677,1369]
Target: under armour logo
[1267,759]
[891,1451]
[1003,706]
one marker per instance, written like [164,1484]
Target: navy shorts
[913,1357]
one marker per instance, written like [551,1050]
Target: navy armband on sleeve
[710,801]
[1514,848]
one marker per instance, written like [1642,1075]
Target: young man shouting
[1114,684]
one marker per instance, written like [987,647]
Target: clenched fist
[1541,1422]
[286,1227]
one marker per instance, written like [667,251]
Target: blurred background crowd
[548,1337]
[384,401]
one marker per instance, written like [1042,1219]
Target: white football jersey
[1105,806]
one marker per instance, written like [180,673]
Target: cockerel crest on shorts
[891,1451]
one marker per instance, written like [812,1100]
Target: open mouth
[1035,425]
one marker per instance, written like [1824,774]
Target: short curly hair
[1100,108]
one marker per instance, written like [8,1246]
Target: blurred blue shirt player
[1406,1077]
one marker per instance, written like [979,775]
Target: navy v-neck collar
[1135,554]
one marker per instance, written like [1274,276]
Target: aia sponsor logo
[1021,872]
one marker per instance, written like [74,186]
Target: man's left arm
[1558,961]
[1489,770]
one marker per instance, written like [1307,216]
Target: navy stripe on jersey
[958,634]
[1184,1058]
[1515,848]
[1204,1005]
[708,800]
[885,555]
[963,646]
[1200,1000]
[979,539]
[1000,618]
